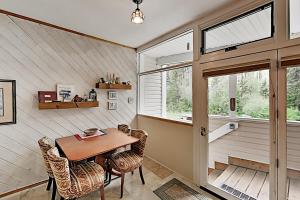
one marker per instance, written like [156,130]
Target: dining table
[76,149]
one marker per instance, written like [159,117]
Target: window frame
[235,47]
[169,68]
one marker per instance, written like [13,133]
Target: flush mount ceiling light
[137,16]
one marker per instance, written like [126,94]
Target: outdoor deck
[249,184]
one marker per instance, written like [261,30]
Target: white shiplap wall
[251,141]
[38,57]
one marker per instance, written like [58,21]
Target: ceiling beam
[61,28]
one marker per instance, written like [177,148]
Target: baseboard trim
[23,188]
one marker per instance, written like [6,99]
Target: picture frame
[47,96]
[65,93]
[112,95]
[8,111]
[112,105]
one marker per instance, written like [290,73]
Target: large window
[293,94]
[250,91]
[253,26]
[294,13]
[165,79]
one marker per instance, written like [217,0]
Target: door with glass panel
[289,123]
[240,131]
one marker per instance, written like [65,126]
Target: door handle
[203,131]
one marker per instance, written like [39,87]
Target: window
[294,13]
[293,94]
[173,51]
[252,26]
[167,94]
[250,90]
[165,79]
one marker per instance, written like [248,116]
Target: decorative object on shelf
[118,80]
[102,80]
[65,93]
[77,99]
[7,102]
[47,96]
[112,105]
[112,95]
[137,16]
[93,95]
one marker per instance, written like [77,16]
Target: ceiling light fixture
[137,16]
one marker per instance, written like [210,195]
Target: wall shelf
[68,105]
[113,86]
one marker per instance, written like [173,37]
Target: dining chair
[45,145]
[78,180]
[128,161]
[124,128]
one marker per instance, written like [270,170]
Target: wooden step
[214,175]
[256,184]
[264,192]
[224,176]
[242,181]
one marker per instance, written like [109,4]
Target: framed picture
[47,96]
[112,95]
[112,105]
[65,93]
[7,102]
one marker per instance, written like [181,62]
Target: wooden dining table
[76,149]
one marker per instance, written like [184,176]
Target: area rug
[176,190]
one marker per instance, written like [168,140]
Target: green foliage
[293,93]
[252,95]
[179,93]
[218,96]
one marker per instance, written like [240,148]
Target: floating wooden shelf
[67,105]
[113,86]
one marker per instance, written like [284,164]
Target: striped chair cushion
[76,181]
[86,178]
[126,161]
[45,145]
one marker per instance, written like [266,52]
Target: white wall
[39,57]
[169,143]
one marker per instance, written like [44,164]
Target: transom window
[249,27]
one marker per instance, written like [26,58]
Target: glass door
[289,124]
[240,132]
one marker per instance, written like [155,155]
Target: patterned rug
[176,190]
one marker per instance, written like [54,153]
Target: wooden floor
[249,184]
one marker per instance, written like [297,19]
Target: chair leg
[53,190]
[49,183]
[141,174]
[102,192]
[122,184]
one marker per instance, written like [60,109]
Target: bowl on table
[90,131]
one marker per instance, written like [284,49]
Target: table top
[76,150]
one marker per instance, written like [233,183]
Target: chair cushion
[85,178]
[45,145]
[126,161]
